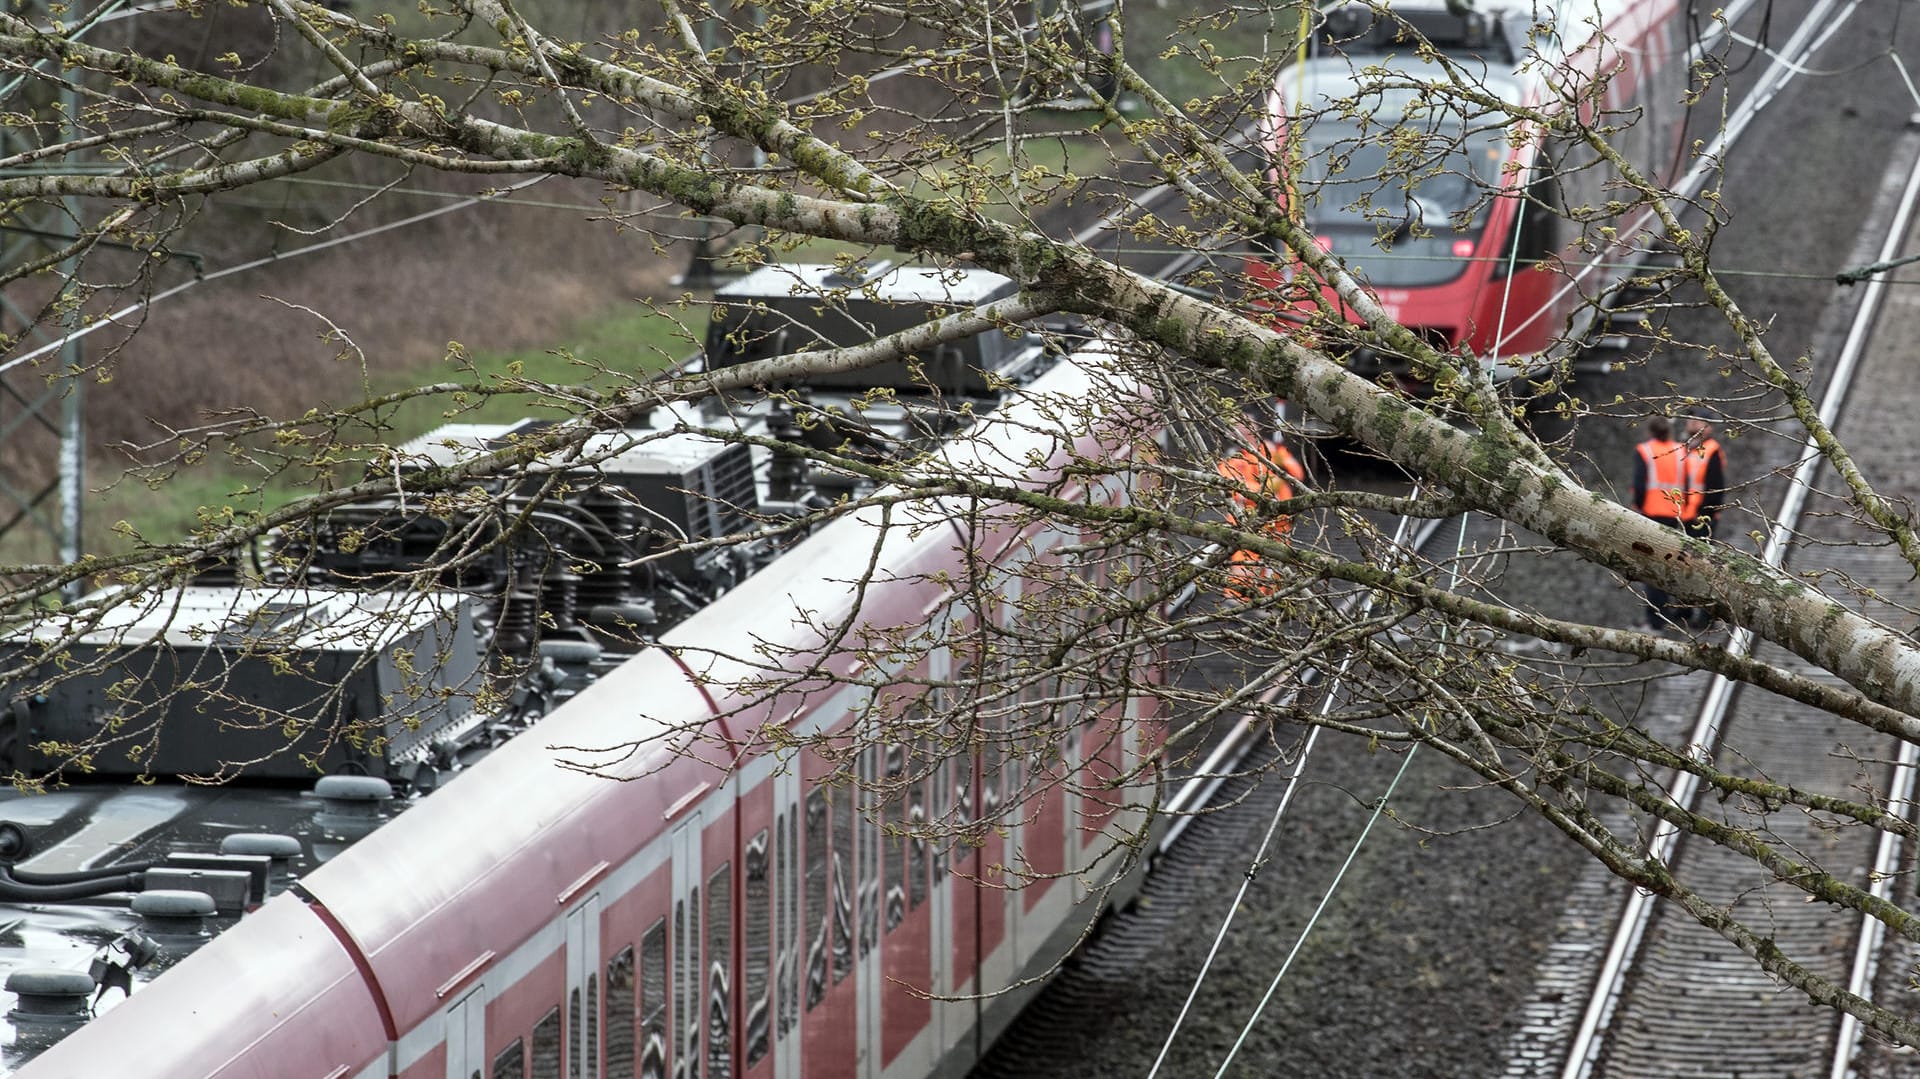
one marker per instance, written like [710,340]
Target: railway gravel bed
[1694,1004]
[1408,938]
[1463,940]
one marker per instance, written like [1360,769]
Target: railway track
[1219,811]
[1049,1040]
[1668,996]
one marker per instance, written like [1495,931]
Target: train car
[1457,219]
[731,855]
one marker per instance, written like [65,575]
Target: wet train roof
[322,619]
[629,449]
[101,825]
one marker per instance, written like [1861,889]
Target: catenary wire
[1306,931]
[1260,855]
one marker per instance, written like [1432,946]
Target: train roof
[294,616]
[1332,80]
[86,827]
[1509,39]
[626,449]
[882,281]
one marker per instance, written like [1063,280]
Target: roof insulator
[280,848]
[49,995]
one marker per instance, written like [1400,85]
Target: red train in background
[1476,252]
[646,884]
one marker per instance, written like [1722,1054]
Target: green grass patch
[601,356]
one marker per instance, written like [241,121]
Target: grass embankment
[1206,61]
[600,354]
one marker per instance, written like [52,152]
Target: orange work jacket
[1270,472]
[1266,472]
[1696,461]
[1666,478]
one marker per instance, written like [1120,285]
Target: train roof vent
[266,682]
[683,487]
[787,309]
[1455,29]
[52,995]
[662,486]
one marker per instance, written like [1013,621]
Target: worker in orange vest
[1260,469]
[1706,488]
[1706,478]
[1660,493]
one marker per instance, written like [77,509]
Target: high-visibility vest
[1666,478]
[1284,457]
[1249,578]
[1268,472]
[1263,474]
[1696,461]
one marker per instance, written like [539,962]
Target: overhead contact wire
[1453,581]
[1400,536]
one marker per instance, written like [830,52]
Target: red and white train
[657,881]
[1464,232]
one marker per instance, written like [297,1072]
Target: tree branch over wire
[925,130]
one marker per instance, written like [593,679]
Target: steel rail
[1900,791]
[1232,750]
[1709,159]
[1589,1040]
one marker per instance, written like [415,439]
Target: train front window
[1400,218]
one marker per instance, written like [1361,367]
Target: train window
[590,1041]
[1018,720]
[842,883]
[916,837]
[993,729]
[686,985]
[1539,226]
[867,853]
[786,934]
[896,837]
[620,1015]
[575,1058]
[720,973]
[546,1046]
[653,1002]
[940,813]
[817,914]
[795,945]
[757,948]
[962,790]
[511,1062]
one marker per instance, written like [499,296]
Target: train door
[583,990]
[906,947]
[868,981]
[962,877]
[1013,825]
[994,946]
[684,1017]
[466,1035]
[788,936]
[714,993]
[829,907]
[1014,805]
